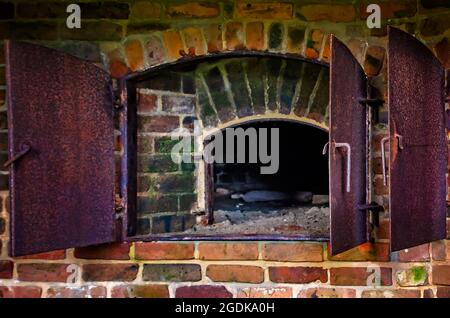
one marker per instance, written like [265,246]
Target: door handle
[384,140]
[346,145]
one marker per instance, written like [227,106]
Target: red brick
[213,35]
[158,123]
[20,292]
[265,292]
[297,275]
[419,253]
[365,252]
[135,54]
[110,272]
[140,291]
[117,68]
[155,50]
[145,10]
[383,229]
[391,293]
[264,10]
[376,142]
[441,250]
[357,276]
[293,252]
[147,103]
[255,35]
[77,292]
[327,12]
[193,10]
[45,272]
[228,251]
[6,269]
[54,255]
[173,44]
[441,274]
[379,187]
[164,251]
[202,291]
[322,292]
[193,38]
[116,251]
[235,273]
[443,292]
[234,36]
[392,9]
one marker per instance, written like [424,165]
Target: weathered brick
[419,253]
[157,203]
[391,293]
[115,251]
[264,292]
[164,251]
[147,103]
[327,12]
[379,187]
[441,250]
[228,251]
[213,36]
[145,27]
[173,44]
[158,123]
[77,292]
[117,64]
[358,276]
[155,50]
[53,255]
[235,273]
[234,36]
[6,10]
[172,272]
[45,272]
[276,34]
[443,292]
[374,60]
[365,252]
[264,10]
[414,276]
[140,291]
[175,183]
[135,54]
[193,10]
[156,163]
[314,44]
[391,9]
[322,292]
[178,104]
[145,10]
[172,223]
[16,30]
[295,39]
[293,252]
[110,272]
[435,25]
[434,4]
[193,38]
[441,274]
[94,30]
[297,275]
[20,292]
[255,35]
[6,269]
[203,291]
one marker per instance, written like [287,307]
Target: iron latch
[24,149]
[375,209]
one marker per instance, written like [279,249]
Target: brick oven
[99,203]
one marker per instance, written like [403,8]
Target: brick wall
[125,36]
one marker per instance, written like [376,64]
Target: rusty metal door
[60,118]
[347,150]
[418,158]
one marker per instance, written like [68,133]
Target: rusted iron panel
[348,131]
[62,190]
[417,124]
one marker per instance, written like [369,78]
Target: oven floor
[260,218]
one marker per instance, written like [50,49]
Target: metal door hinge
[119,205]
[374,210]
